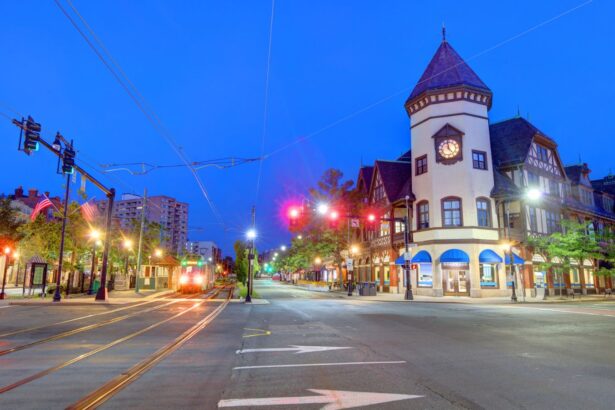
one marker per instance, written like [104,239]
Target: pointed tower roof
[448,70]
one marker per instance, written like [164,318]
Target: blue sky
[202,67]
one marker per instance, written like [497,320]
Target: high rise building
[206,249]
[171,214]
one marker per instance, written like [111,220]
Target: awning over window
[400,260]
[489,256]
[421,257]
[454,255]
[516,259]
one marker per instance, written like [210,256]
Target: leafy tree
[574,242]
[9,223]
[241,261]
[320,237]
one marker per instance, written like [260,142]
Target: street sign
[293,348]
[334,399]
[349,264]
[407,256]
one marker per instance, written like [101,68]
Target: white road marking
[269,366]
[293,348]
[7,306]
[334,399]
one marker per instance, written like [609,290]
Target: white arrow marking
[293,348]
[334,399]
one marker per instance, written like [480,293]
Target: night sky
[201,65]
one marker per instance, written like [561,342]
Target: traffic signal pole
[56,296]
[110,192]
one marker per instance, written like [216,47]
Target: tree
[573,243]
[241,261]
[9,223]
[322,237]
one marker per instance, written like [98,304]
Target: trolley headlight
[183,279]
[198,279]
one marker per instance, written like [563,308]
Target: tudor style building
[464,187]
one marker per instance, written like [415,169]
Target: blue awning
[454,255]
[489,256]
[400,260]
[421,257]
[516,259]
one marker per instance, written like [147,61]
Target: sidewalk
[399,297]
[116,297]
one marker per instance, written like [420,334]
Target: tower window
[421,165]
[451,212]
[483,212]
[423,215]
[479,159]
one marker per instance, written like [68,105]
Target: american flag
[89,212]
[42,204]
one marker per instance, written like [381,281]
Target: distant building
[171,214]
[24,204]
[207,249]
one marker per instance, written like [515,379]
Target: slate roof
[396,177]
[503,186]
[511,141]
[606,184]
[447,69]
[574,172]
[574,204]
[406,156]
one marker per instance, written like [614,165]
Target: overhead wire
[406,89]
[140,102]
[266,104]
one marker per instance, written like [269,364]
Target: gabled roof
[396,178]
[511,141]
[447,69]
[365,174]
[406,156]
[575,173]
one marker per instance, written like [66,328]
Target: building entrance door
[456,283]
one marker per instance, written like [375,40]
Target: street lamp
[509,249]
[158,253]
[7,253]
[299,237]
[283,248]
[322,208]
[251,235]
[354,249]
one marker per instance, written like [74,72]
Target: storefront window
[589,277]
[425,275]
[488,275]
[539,278]
[558,279]
[575,282]
[387,275]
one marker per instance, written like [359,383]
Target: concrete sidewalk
[116,297]
[399,297]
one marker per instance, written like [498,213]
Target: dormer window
[542,153]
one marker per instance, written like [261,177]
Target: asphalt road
[450,355]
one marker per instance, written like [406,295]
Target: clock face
[448,148]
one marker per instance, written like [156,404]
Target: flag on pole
[42,204]
[89,211]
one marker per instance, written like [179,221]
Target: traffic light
[334,218]
[371,221]
[184,263]
[32,135]
[199,263]
[68,160]
[293,215]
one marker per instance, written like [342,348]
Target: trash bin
[96,286]
[372,289]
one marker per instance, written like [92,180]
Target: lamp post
[158,255]
[354,249]
[408,295]
[7,253]
[95,236]
[128,247]
[16,259]
[251,235]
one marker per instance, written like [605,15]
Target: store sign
[455,265]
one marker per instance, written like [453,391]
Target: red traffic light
[293,213]
[371,218]
[334,215]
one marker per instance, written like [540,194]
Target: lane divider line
[271,366]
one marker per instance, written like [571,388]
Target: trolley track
[90,327]
[115,385]
[107,346]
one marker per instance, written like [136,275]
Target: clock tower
[452,175]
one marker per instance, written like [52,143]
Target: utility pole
[139,252]
[56,296]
